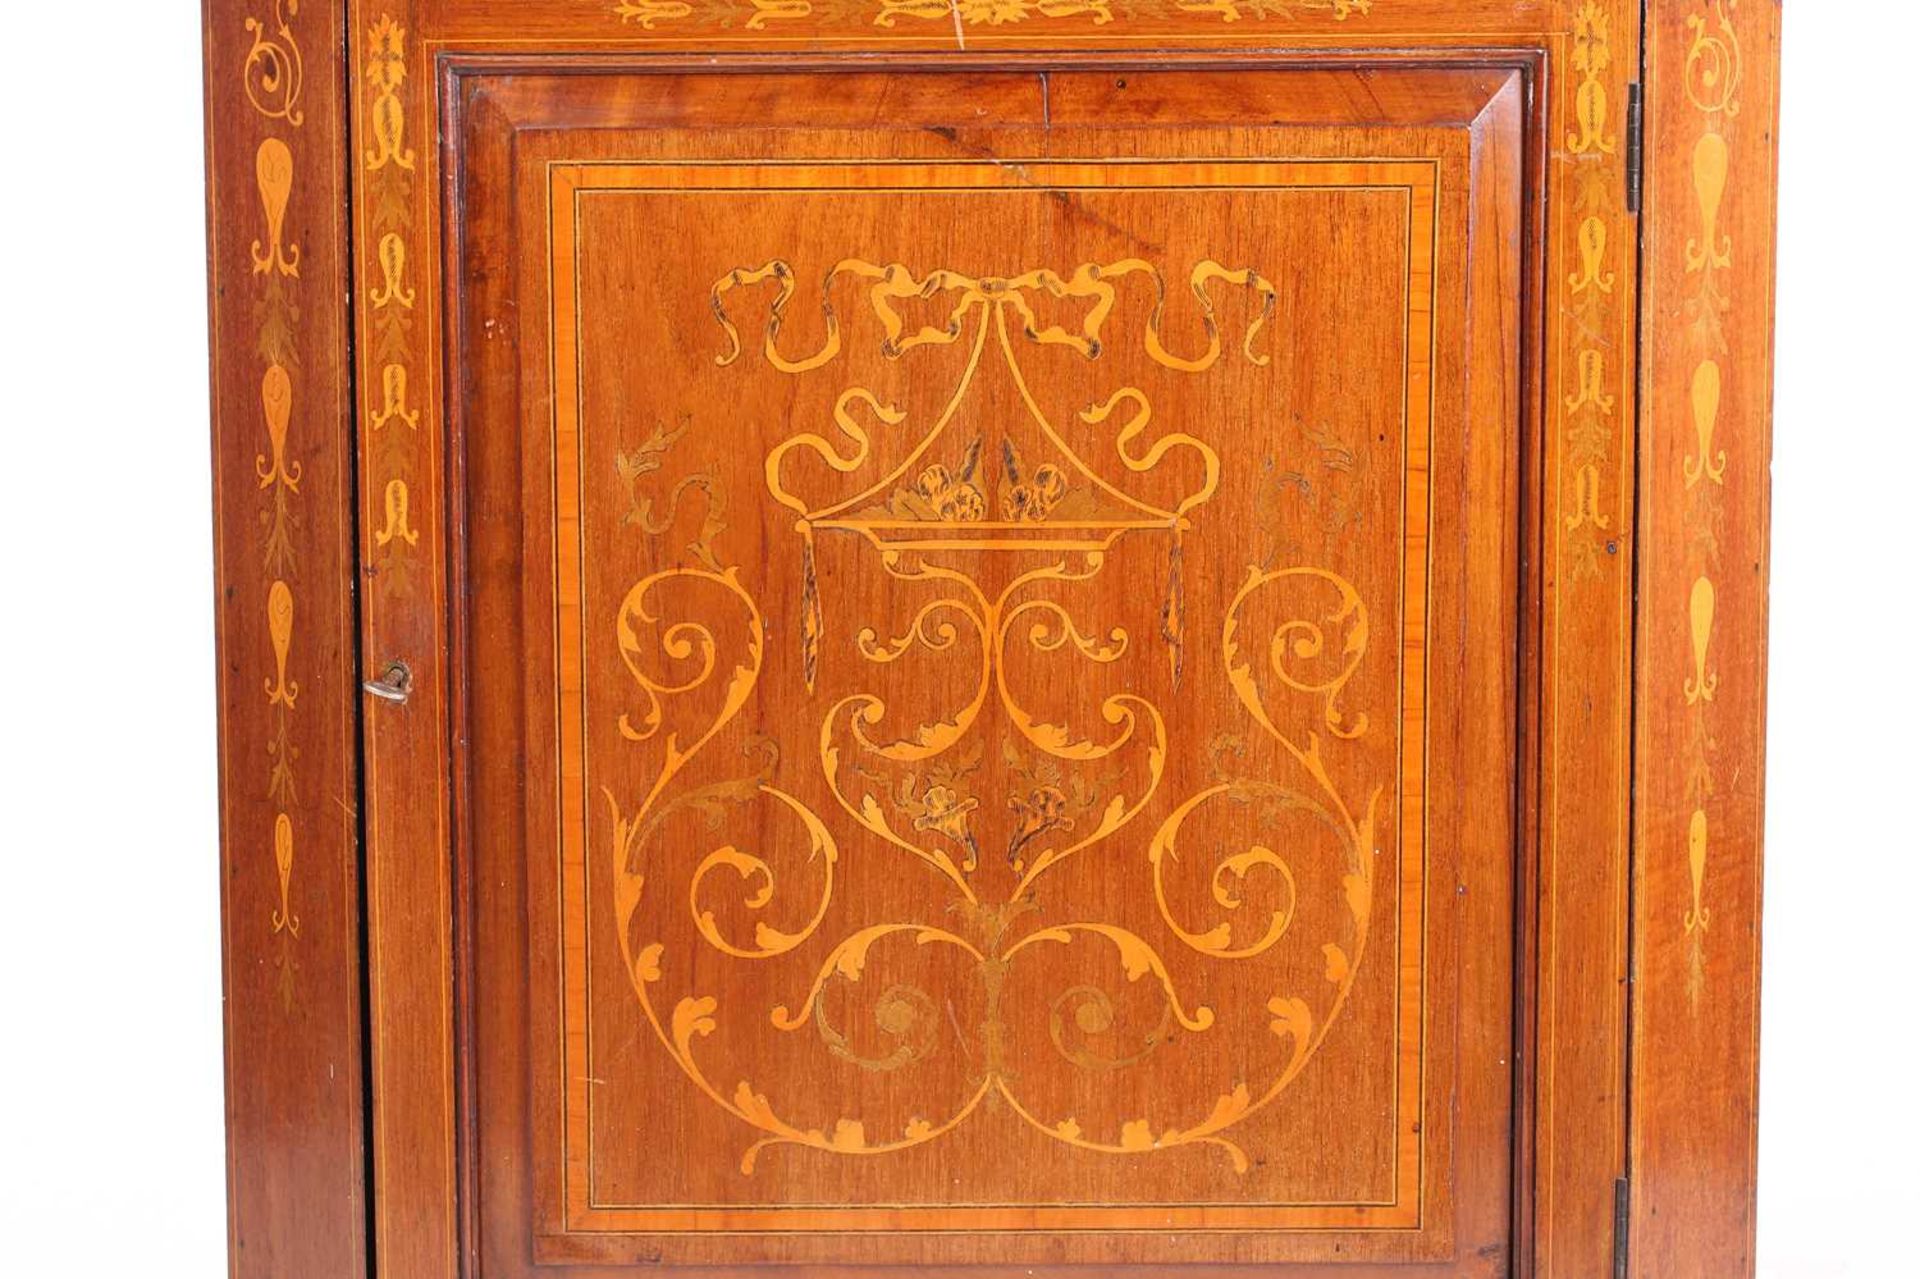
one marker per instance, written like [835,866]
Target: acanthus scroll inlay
[1591,153]
[1022,504]
[390,164]
[275,68]
[1592,56]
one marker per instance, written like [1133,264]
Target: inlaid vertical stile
[284,623]
[409,894]
[1586,604]
[1702,633]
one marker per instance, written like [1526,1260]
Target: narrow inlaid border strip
[1706,449]
[404,618]
[285,627]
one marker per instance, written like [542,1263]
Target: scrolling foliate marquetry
[1713,90]
[1057,501]
[1591,299]
[896,870]
[1063,514]
[392,166]
[272,75]
[275,67]
[767,15]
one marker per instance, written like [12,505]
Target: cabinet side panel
[284,571]
[1706,444]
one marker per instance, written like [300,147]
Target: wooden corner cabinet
[991,637]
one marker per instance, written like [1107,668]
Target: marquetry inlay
[963,530]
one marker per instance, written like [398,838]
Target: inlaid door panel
[988,636]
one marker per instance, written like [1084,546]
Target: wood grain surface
[1022,633]
[984,689]
[1706,449]
[289,731]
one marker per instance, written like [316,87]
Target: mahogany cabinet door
[992,602]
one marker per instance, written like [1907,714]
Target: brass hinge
[1621,1202]
[1636,146]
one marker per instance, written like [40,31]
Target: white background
[110,1111]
